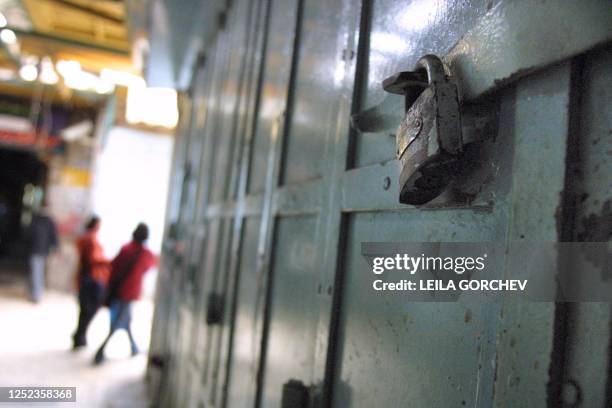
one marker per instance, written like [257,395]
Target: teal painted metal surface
[588,340]
[293,307]
[273,193]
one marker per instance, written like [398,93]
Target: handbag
[112,293]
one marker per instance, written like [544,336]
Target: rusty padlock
[429,141]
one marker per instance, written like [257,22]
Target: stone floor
[35,350]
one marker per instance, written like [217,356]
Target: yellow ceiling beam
[79,21]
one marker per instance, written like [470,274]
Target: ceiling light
[67,67]
[47,72]
[76,78]
[8,36]
[3,21]
[80,80]
[28,72]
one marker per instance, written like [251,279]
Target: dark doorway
[22,180]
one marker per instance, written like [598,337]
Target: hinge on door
[214,309]
[294,395]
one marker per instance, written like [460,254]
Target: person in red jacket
[125,285]
[91,279]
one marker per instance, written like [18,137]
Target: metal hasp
[429,140]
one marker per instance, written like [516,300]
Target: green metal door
[274,191]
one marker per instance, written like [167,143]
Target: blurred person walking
[92,278]
[128,269]
[42,237]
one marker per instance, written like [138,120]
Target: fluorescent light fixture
[152,106]
[104,87]
[76,78]
[121,78]
[8,36]
[81,80]
[66,67]
[3,21]
[28,72]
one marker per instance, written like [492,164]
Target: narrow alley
[37,350]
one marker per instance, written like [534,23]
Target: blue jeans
[120,315]
[37,277]
[121,318]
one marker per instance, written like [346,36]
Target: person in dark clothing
[125,286]
[42,236]
[92,278]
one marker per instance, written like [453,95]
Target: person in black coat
[42,239]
